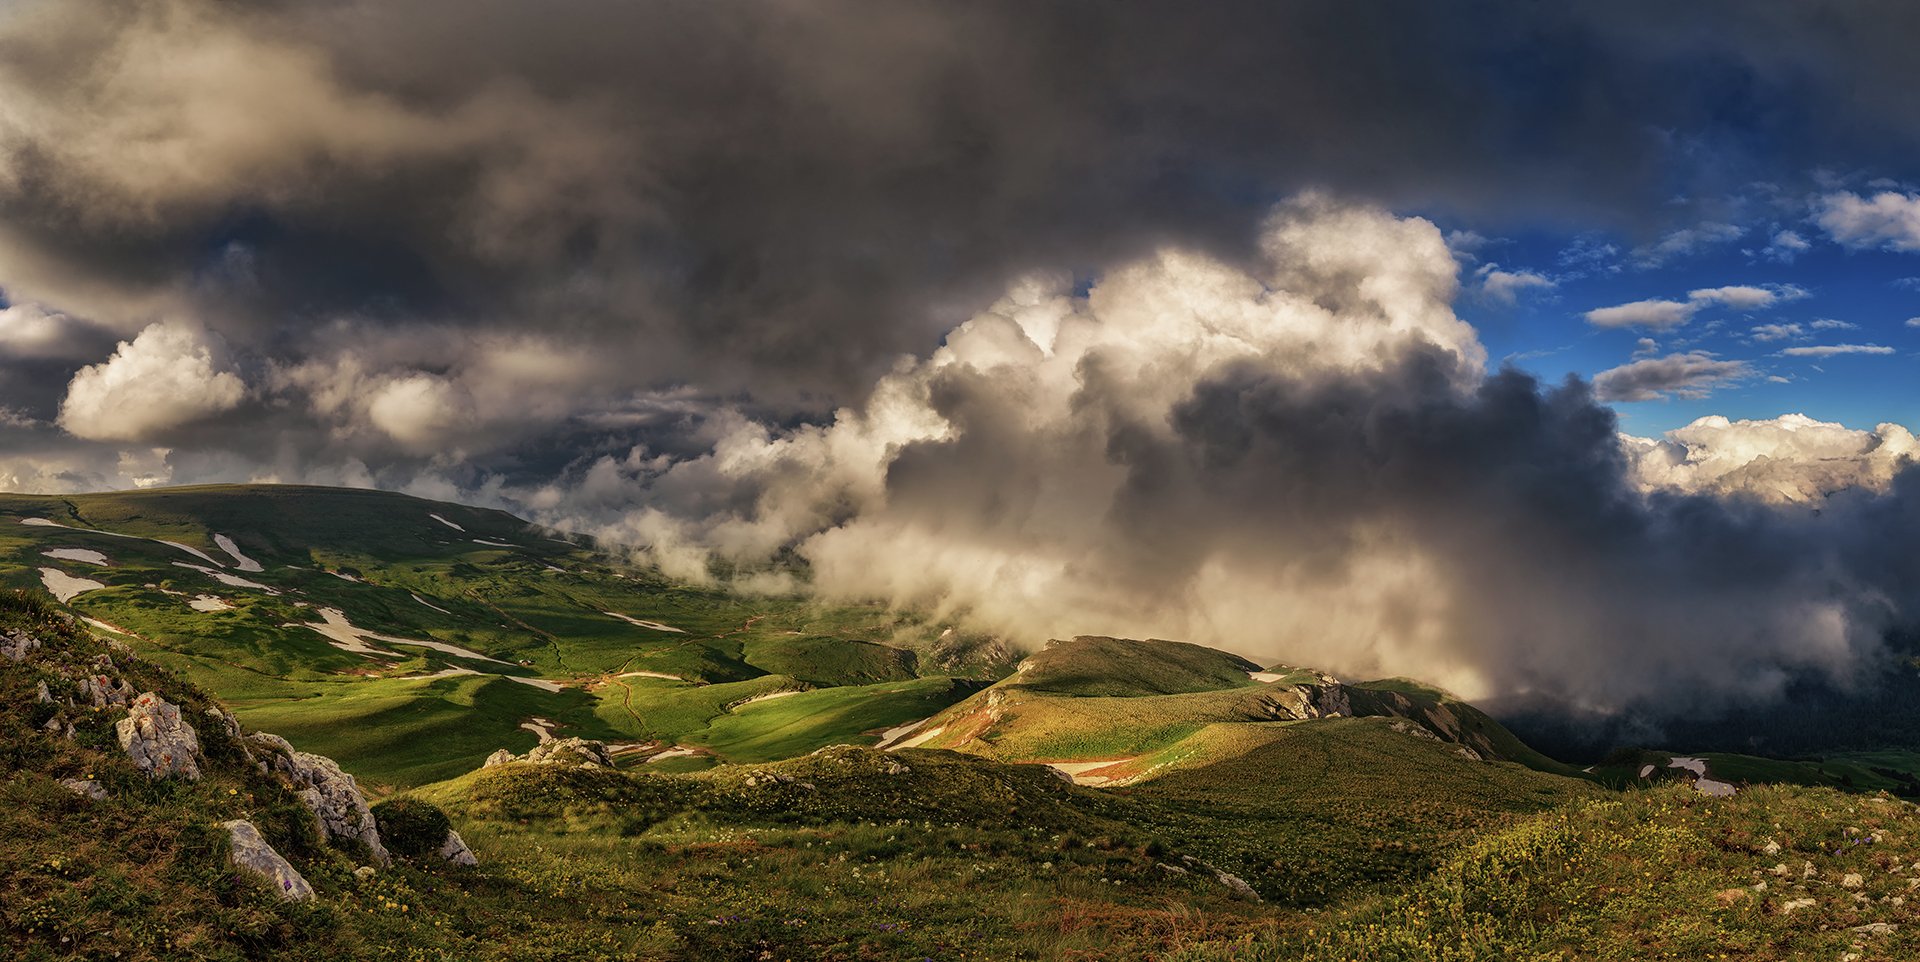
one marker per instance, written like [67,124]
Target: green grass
[542,606]
[1118,667]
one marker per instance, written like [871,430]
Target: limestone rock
[158,740]
[252,853]
[16,647]
[333,795]
[577,752]
[225,720]
[455,850]
[107,690]
[84,788]
[44,696]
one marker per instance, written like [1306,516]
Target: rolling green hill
[410,638]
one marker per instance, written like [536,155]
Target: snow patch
[240,561]
[892,735]
[1701,783]
[1265,677]
[767,697]
[540,683]
[66,587]
[1081,772]
[494,544]
[541,727]
[231,581]
[196,552]
[429,604]
[209,604]
[347,637]
[656,626]
[78,554]
[446,522]
[920,739]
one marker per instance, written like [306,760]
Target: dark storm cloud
[614,263]
[778,197]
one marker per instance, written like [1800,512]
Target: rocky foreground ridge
[92,694]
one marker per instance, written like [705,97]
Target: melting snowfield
[66,587]
[674,752]
[892,735]
[209,603]
[44,523]
[1703,784]
[240,561]
[1079,771]
[494,544]
[1265,677]
[78,554]
[446,522]
[920,739]
[766,697]
[231,581]
[656,626]
[429,604]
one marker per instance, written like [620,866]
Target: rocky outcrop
[17,647]
[158,740]
[1293,702]
[576,752]
[333,795]
[455,850]
[251,852]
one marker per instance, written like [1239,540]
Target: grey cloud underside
[780,197]
[618,266]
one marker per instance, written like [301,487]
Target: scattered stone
[252,853]
[456,851]
[895,768]
[85,788]
[225,720]
[1874,928]
[107,691]
[1729,896]
[499,758]
[1852,880]
[1782,870]
[1788,908]
[1771,848]
[17,647]
[44,697]
[157,740]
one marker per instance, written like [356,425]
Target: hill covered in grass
[1112,711]
[1332,838]
[410,638]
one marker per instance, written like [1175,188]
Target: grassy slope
[541,605]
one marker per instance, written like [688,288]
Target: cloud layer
[1305,462]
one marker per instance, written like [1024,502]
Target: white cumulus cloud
[1887,220]
[166,377]
[1791,458]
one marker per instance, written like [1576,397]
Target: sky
[1545,351]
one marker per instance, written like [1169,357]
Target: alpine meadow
[860,480]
